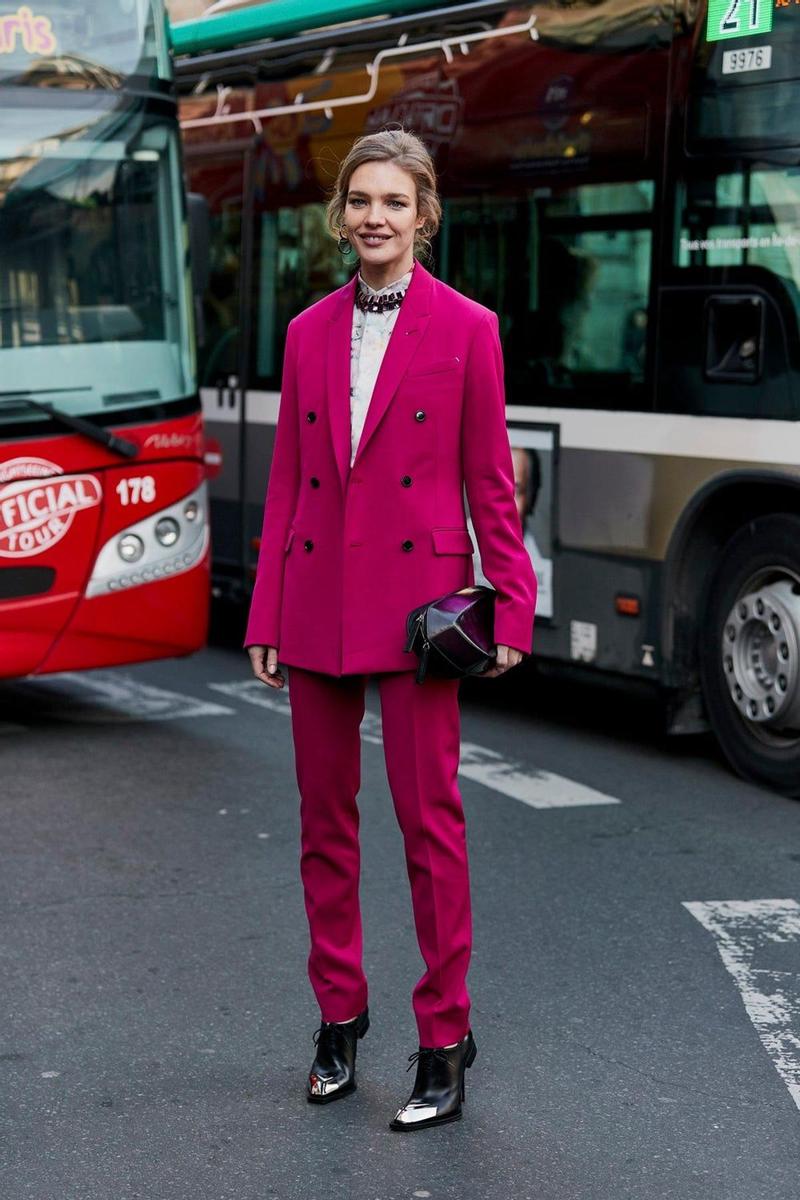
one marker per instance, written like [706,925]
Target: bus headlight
[167,531]
[165,543]
[130,547]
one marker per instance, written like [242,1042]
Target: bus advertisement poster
[533,456]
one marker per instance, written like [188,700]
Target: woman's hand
[507,657]
[264,661]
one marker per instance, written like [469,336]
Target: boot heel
[470,1059]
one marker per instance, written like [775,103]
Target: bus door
[730,304]
[224,348]
[295,263]
[568,267]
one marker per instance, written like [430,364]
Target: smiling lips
[374,237]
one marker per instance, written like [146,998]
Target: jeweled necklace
[368,302]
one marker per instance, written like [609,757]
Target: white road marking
[538,789]
[252,691]
[108,697]
[752,936]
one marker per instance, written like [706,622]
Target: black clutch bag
[454,635]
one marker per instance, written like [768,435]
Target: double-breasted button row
[308,544]
[406,481]
[408,544]
[314,481]
[311,416]
[420,414]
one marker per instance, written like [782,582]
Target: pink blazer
[347,552]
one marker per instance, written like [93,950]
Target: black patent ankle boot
[333,1072]
[439,1088]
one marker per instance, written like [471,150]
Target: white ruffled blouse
[370,337]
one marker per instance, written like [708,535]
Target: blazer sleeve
[489,480]
[264,621]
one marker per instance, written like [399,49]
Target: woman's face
[381,215]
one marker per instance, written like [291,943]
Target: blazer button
[308,544]
[419,416]
[311,416]
[408,544]
[314,481]
[406,481]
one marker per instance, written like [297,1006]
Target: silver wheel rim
[761,656]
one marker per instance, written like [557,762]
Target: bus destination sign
[738,18]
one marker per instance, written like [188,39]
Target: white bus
[621,184]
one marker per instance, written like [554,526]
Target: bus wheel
[750,652]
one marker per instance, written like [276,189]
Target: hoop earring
[343,245]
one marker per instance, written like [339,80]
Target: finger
[258,665]
[273,681]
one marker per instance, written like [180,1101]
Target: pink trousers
[421,739]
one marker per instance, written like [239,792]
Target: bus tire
[749,652]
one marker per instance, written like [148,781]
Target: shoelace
[431,1051]
[333,1025]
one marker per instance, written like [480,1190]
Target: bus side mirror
[199,256]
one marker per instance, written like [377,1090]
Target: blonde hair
[407,151]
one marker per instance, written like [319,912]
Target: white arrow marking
[751,935]
[538,789]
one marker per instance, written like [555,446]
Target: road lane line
[537,789]
[755,939]
[109,697]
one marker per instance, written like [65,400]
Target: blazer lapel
[412,321]
[340,330]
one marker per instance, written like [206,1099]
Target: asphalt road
[635,980]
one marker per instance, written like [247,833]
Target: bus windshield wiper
[96,433]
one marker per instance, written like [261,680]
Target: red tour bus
[104,546]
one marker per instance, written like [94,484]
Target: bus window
[737,234]
[298,263]
[570,272]
[220,180]
[744,218]
[219,355]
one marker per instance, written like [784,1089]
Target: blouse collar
[399,285]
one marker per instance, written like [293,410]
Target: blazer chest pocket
[435,368]
[452,541]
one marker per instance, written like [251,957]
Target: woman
[391,402]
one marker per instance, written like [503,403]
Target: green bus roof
[280,18]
